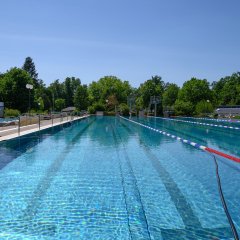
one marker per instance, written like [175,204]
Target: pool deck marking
[212,119]
[196,145]
[15,135]
[183,207]
[198,123]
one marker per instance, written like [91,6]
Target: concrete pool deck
[11,132]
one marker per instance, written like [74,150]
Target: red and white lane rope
[198,123]
[213,119]
[196,145]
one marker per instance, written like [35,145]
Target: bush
[99,106]
[8,112]
[183,108]
[124,109]
[96,107]
[91,109]
[204,108]
[109,113]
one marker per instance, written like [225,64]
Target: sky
[131,39]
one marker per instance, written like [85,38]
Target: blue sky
[133,40]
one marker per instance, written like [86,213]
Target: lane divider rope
[196,145]
[198,123]
[213,119]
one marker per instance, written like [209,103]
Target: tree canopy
[29,67]
[13,89]
[196,96]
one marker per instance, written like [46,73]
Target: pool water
[106,178]
[225,140]
[224,122]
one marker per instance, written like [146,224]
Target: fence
[35,122]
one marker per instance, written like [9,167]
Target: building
[69,109]
[228,111]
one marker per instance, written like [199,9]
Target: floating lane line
[213,119]
[196,145]
[198,123]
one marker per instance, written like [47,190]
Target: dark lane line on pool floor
[184,209]
[24,223]
[13,148]
[132,182]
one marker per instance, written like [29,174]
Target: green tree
[81,97]
[124,109]
[152,87]
[40,103]
[57,89]
[70,87]
[108,86]
[112,102]
[29,67]
[204,108]
[13,89]
[183,108]
[195,90]
[227,90]
[59,104]
[170,95]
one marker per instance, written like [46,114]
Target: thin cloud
[74,41]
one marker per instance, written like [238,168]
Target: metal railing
[35,122]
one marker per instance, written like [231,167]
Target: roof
[69,109]
[228,110]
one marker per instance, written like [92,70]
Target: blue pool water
[106,178]
[226,140]
[228,123]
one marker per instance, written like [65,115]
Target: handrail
[27,122]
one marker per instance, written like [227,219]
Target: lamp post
[53,102]
[29,87]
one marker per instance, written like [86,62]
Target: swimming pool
[223,122]
[106,178]
[226,140]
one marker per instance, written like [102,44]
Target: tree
[29,67]
[170,95]
[183,108]
[152,87]
[57,89]
[112,102]
[204,108]
[227,90]
[40,103]
[107,86]
[81,97]
[195,90]
[13,89]
[124,109]
[70,87]
[59,104]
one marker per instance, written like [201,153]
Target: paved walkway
[10,132]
